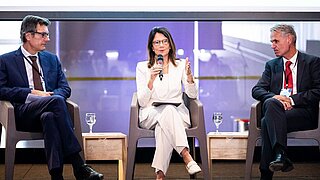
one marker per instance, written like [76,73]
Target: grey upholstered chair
[196,131]
[254,135]
[13,136]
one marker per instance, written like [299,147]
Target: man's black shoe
[281,163]
[85,172]
[288,166]
[266,174]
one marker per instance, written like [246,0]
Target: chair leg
[318,141]
[204,158]
[192,151]
[10,152]
[132,147]
[0,132]
[249,158]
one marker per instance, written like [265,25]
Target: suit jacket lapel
[44,66]
[300,70]
[279,75]
[21,66]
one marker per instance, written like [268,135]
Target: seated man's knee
[58,99]
[46,115]
[271,102]
[55,102]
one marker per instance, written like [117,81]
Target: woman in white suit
[171,117]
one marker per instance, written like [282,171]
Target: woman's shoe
[193,168]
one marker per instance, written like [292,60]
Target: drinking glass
[217,120]
[90,120]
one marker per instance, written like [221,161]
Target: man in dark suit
[290,92]
[32,80]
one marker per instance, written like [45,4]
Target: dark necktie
[288,83]
[36,74]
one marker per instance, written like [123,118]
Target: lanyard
[38,70]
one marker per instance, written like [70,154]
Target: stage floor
[220,170]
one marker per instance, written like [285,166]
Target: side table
[107,146]
[227,145]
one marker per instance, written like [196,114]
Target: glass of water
[217,120]
[90,120]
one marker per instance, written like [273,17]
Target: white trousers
[169,134]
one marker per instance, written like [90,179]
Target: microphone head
[160,59]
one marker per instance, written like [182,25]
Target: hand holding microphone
[157,68]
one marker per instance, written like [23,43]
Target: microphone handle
[160,75]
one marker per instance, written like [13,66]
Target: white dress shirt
[293,67]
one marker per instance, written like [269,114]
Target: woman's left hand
[188,69]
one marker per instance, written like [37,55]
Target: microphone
[160,62]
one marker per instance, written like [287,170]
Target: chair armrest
[134,110]
[194,106]
[255,114]
[72,108]
[196,112]
[319,116]
[7,114]
[74,112]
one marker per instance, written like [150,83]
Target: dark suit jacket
[308,81]
[14,85]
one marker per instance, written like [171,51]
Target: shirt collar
[26,53]
[293,59]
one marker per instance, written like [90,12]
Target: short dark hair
[29,24]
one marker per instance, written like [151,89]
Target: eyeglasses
[43,34]
[158,42]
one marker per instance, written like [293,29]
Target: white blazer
[167,90]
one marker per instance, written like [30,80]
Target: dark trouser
[50,115]
[275,125]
